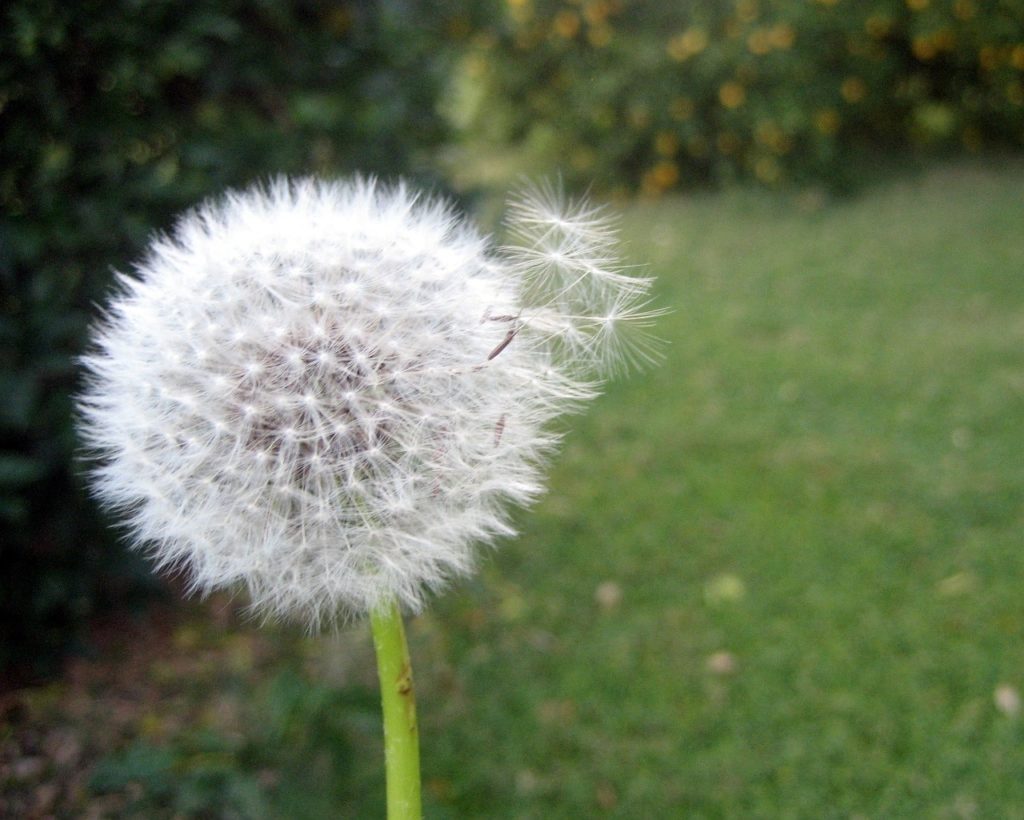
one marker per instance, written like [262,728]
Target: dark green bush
[647,95]
[117,115]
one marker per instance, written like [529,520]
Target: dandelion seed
[1007,699]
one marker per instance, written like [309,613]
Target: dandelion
[329,393]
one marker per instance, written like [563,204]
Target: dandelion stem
[398,700]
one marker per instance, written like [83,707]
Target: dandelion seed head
[330,393]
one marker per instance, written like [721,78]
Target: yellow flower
[917,5]
[566,24]
[691,42]
[660,178]
[759,42]
[599,36]
[877,26]
[520,10]
[475,65]
[782,36]
[732,94]
[666,143]
[769,134]
[746,10]
[853,89]
[924,48]
[964,9]
[827,121]
[767,170]
[988,58]
[666,173]
[597,12]
[944,39]
[765,131]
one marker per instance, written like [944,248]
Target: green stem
[398,700]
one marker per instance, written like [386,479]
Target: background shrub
[650,96]
[116,116]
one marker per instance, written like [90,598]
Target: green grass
[779,576]
[825,480]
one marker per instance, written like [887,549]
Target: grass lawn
[779,576]
[782,575]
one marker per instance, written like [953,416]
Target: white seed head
[329,392]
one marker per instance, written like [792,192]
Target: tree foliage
[649,96]
[118,115]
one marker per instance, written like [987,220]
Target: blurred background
[778,576]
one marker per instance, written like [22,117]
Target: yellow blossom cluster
[654,96]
